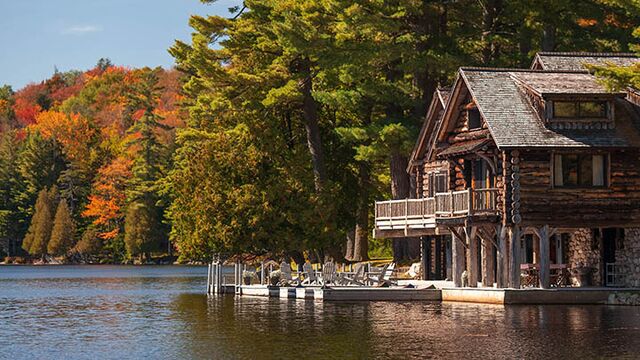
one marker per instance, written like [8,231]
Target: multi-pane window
[580,109]
[579,170]
[437,183]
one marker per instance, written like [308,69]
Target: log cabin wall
[428,168]
[615,205]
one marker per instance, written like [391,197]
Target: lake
[122,312]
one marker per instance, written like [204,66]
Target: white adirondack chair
[329,273]
[358,277]
[384,277]
[310,277]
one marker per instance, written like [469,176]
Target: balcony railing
[420,213]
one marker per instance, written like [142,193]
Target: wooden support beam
[514,261]
[472,261]
[503,259]
[488,259]
[545,264]
[457,259]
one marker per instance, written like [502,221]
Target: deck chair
[285,270]
[384,277]
[329,273]
[310,277]
[358,277]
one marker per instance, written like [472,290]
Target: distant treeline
[292,118]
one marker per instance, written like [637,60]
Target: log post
[488,263]
[514,263]
[545,266]
[457,255]
[472,263]
[503,260]
[424,257]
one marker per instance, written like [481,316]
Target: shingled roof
[513,122]
[546,83]
[578,60]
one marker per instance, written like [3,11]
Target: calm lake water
[154,312]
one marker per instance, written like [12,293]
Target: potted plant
[274,277]
[247,277]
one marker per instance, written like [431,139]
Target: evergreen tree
[150,158]
[10,181]
[63,232]
[90,243]
[39,233]
[141,228]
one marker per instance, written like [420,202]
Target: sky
[37,36]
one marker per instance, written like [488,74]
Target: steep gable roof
[513,122]
[434,115]
[578,60]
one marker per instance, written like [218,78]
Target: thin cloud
[81,30]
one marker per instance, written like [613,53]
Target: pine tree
[39,233]
[63,232]
[141,228]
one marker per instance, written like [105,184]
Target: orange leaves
[106,204]
[582,22]
[72,131]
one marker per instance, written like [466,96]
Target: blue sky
[38,35]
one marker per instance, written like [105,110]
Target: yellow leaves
[72,131]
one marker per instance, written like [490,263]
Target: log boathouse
[527,178]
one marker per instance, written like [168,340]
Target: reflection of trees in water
[246,327]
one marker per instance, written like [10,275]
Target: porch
[433,215]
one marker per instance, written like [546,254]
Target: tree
[141,229]
[11,224]
[63,232]
[90,244]
[39,233]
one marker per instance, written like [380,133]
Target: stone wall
[628,257]
[583,252]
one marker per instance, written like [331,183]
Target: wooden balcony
[415,217]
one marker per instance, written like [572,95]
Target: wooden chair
[358,277]
[310,277]
[287,277]
[329,273]
[384,277]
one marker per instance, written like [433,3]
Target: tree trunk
[348,254]
[361,243]
[310,113]
[491,11]
[548,37]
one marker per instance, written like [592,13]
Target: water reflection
[160,312]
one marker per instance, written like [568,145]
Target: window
[579,170]
[580,109]
[437,183]
[474,119]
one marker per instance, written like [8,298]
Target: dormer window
[474,119]
[580,109]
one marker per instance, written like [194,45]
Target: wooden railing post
[452,202]
[406,213]
[470,202]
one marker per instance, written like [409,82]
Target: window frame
[475,111]
[606,171]
[578,111]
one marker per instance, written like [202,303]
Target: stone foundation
[582,252]
[628,257]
